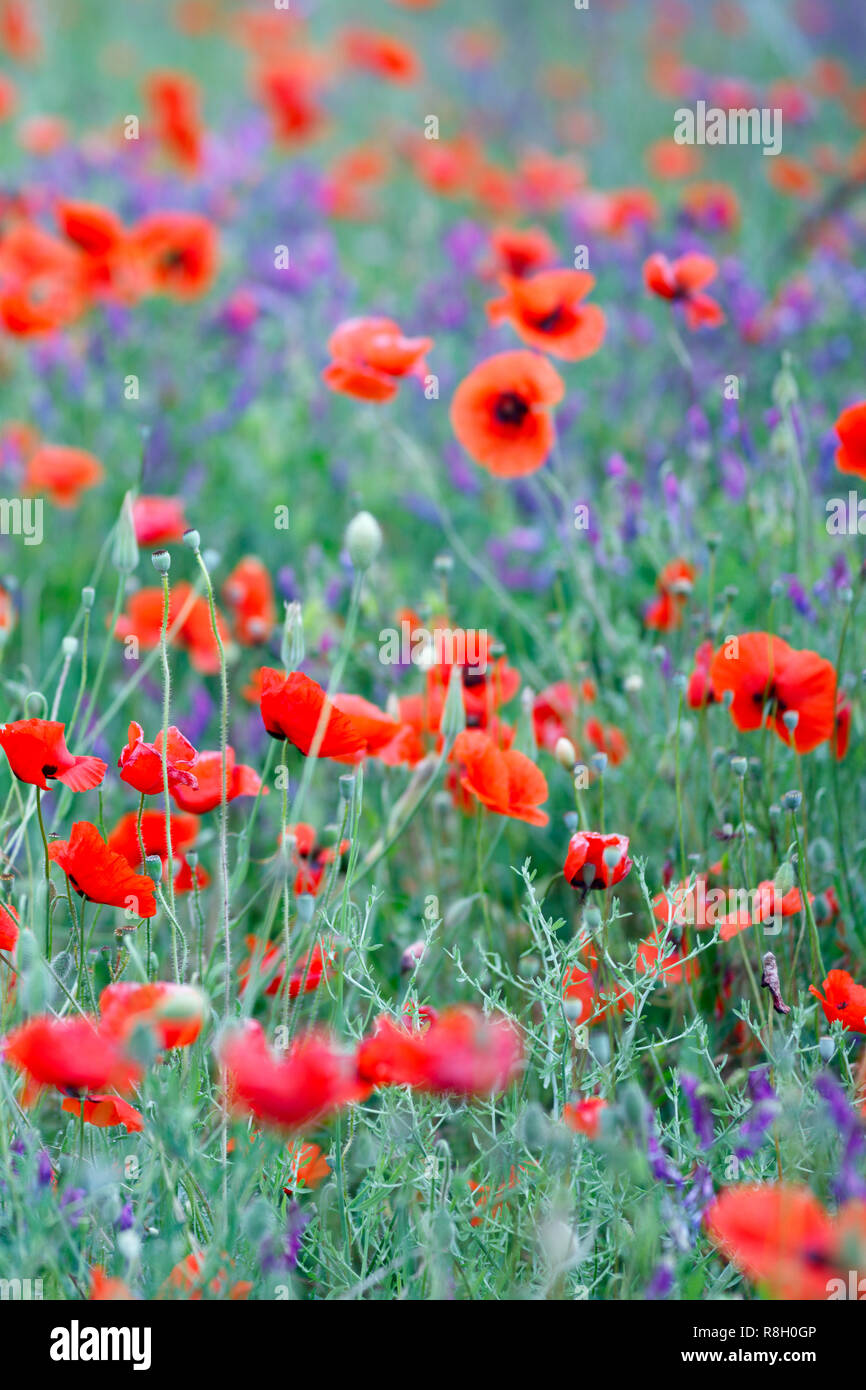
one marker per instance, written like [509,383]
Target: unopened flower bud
[161,561]
[565,753]
[363,540]
[192,540]
[412,956]
[124,551]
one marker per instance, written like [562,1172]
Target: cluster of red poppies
[459,1053]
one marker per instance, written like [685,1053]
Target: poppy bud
[211,559]
[739,766]
[124,551]
[69,646]
[784,879]
[791,800]
[363,540]
[790,719]
[598,763]
[292,646]
[161,561]
[453,716]
[88,597]
[826,1047]
[306,905]
[612,857]
[565,753]
[192,540]
[592,916]
[40,703]
[412,956]
[633,683]
[443,564]
[153,868]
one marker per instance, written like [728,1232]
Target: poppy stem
[143,853]
[47,872]
[224,797]
[166,707]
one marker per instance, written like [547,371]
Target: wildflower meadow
[433,472]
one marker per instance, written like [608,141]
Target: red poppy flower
[311,858]
[306,974]
[62,473]
[8,927]
[141,764]
[249,596]
[674,584]
[207,794]
[665,956]
[585,865]
[75,1055]
[500,412]
[606,738]
[105,1290]
[581,987]
[763,672]
[683,281]
[769,905]
[843,999]
[290,1090]
[96,230]
[124,837]
[123,840]
[699,693]
[584,1116]
[546,311]
[176,253]
[187,1279]
[105,1112]
[520,252]
[308,1167]
[173,100]
[158,520]
[99,875]
[37,750]
[287,84]
[101,238]
[371,356]
[189,624]
[461,1053]
[42,282]
[296,708]
[174,1012]
[506,782]
[555,711]
[380,54]
[779,1235]
[377,729]
[851,431]
[842,727]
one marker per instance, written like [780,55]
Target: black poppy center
[510,409]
